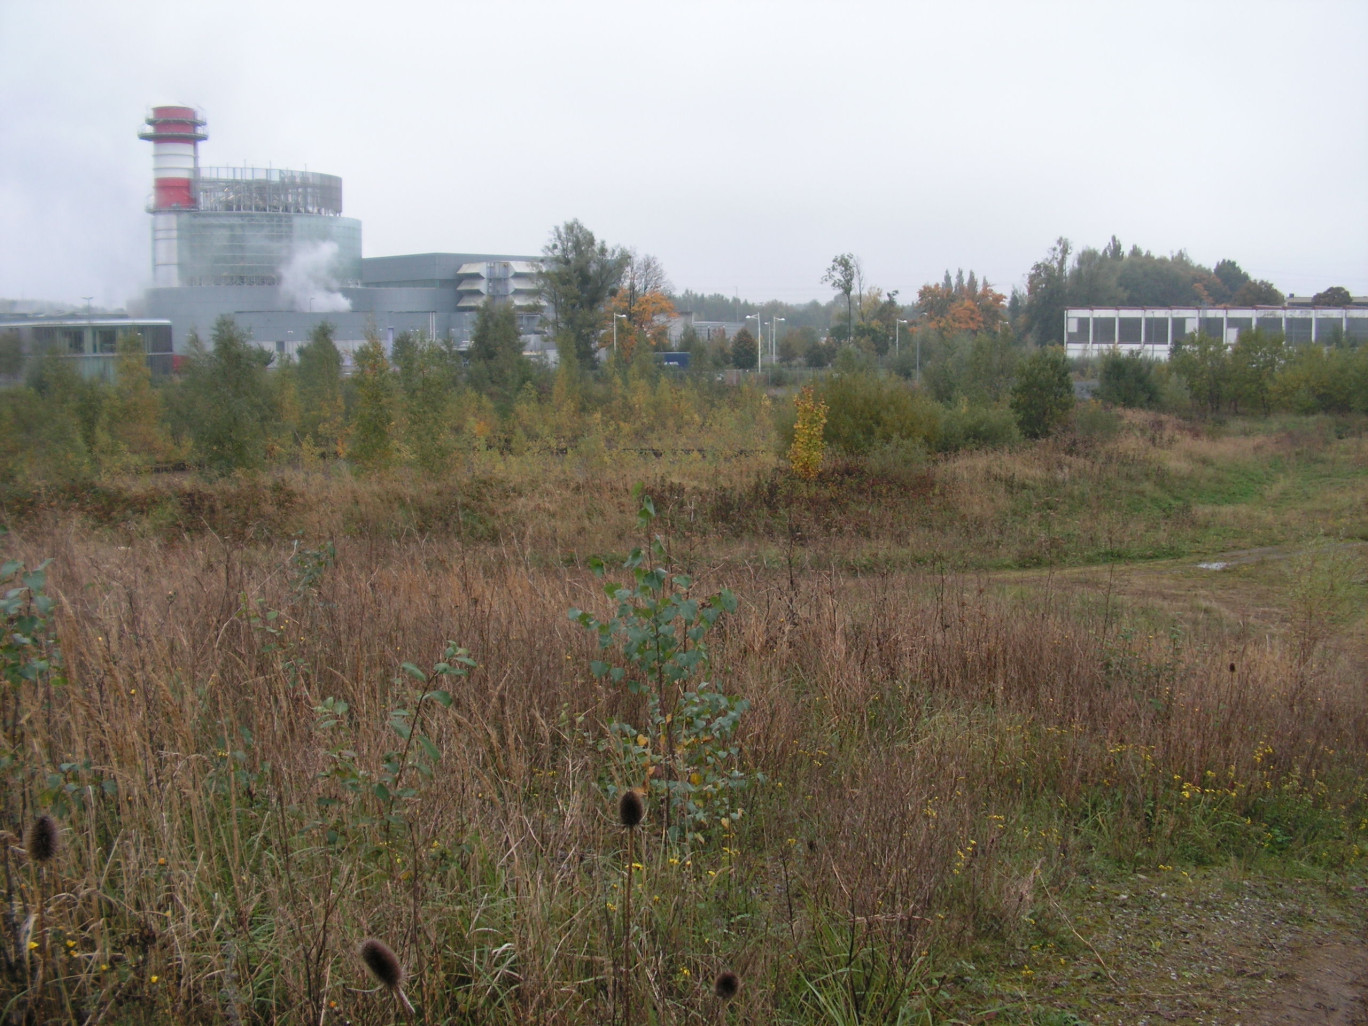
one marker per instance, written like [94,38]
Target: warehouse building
[1152,331]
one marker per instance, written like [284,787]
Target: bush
[1128,381]
[969,426]
[1042,397]
[865,410]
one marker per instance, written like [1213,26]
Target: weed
[683,750]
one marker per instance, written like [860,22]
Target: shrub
[866,410]
[683,750]
[1042,397]
[1127,381]
[976,426]
[805,454]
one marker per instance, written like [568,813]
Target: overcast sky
[743,143]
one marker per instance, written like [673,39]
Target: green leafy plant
[386,786]
[31,667]
[684,750]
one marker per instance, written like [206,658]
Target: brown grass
[937,750]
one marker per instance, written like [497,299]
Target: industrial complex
[271,248]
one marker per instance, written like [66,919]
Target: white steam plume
[307,279]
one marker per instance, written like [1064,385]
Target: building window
[1272,325]
[1130,331]
[1183,326]
[75,340]
[106,340]
[1156,331]
[1213,327]
[1298,330]
[1329,330]
[1104,331]
[1079,330]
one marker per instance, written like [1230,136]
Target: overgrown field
[887,741]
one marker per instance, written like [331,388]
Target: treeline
[424,405]
[1261,373]
[1111,276]
[867,315]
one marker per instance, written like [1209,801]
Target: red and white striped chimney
[175,134]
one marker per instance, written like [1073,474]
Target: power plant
[232,226]
[271,248]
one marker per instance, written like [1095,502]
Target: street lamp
[896,327]
[774,321]
[759,339]
[616,318]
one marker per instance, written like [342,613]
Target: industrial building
[1152,331]
[89,341]
[271,248]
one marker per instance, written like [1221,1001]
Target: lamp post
[759,339]
[897,326]
[616,318]
[774,322]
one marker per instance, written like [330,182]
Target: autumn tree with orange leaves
[643,299]
[962,306]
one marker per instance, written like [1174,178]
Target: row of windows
[97,341]
[1106,331]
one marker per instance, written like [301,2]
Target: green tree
[427,402]
[229,401]
[319,377]
[743,351]
[1127,381]
[1042,397]
[866,410]
[1255,361]
[1047,295]
[991,366]
[41,431]
[1258,293]
[1232,276]
[496,333]
[134,421]
[1319,380]
[11,354]
[1336,295]
[578,277]
[1202,361]
[842,276]
[1147,280]
[371,443]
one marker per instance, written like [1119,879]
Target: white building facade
[1152,331]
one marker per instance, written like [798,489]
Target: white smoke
[307,279]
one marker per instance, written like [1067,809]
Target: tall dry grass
[936,751]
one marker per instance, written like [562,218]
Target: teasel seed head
[382,962]
[42,839]
[631,808]
[726,985]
